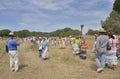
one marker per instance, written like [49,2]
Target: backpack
[6,48]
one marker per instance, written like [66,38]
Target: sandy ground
[62,64]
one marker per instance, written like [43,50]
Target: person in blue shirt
[45,49]
[11,45]
[102,42]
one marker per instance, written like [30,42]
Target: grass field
[62,64]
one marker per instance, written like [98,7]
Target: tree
[116,6]
[25,33]
[65,32]
[4,32]
[112,22]
[22,33]
[92,32]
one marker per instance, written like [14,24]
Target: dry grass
[62,64]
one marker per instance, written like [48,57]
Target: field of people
[61,64]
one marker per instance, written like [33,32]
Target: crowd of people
[79,46]
[105,48]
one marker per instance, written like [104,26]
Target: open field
[62,64]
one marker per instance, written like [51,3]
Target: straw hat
[102,30]
[11,34]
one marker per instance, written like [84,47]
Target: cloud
[23,25]
[50,4]
[55,14]
[35,4]
[2,7]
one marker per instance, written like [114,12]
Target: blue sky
[50,15]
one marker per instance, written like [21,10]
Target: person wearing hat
[12,44]
[102,42]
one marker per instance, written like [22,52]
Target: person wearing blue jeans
[100,59]
[40,53]
[101,48]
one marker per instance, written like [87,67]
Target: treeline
[112,22]
[92,32]
[26,33]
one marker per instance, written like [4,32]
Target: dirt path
[61,65]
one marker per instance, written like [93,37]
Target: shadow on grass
[93,67]
[22,66]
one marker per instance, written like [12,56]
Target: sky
[51,15]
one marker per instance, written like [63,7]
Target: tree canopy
[112,22]
[92,32]
[116,6]
[25,33]
[4,32]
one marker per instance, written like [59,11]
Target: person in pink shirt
[63,43]
[111,59]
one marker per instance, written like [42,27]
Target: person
[101,48]
[75,45]
[60,42]
[111,58]
[40,47]
[55,41]
[45,49]
[94,44]
[75,49]
[118,50]
[72,40]
[63,43]
[83,51]
[12,44]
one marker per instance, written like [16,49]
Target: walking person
[76,46]
[101,48]
[63,43]
[40,47]
[94,44]
[118,49]
[12,44]
[83,51]
[111,59]
[45,49]
[60,42]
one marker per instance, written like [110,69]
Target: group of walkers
[105,47]
[79,46]
[42,47]
[11,47]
